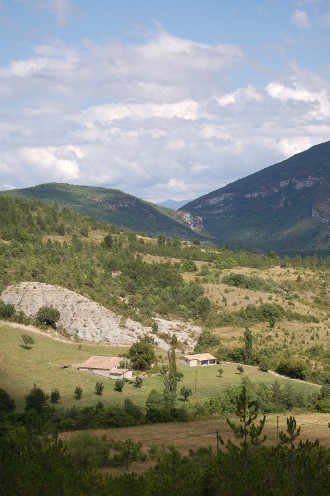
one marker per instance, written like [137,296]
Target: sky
[160,99]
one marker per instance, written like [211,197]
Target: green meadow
[43,363]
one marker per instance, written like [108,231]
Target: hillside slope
[82,317]
[110,205]
[285,207]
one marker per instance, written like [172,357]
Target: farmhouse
[105,366]
[198,360]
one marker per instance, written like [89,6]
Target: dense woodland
[34,462]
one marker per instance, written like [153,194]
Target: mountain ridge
[110,205]
[282,207]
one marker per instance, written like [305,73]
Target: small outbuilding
[199,360]
[106,366]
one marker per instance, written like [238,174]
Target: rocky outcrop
[87,319]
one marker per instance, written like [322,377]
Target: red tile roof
[101,362]
[200,357]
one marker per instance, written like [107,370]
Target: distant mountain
[173,204]
[111,205]
[285,207]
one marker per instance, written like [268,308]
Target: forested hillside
[284,207]
[283,301]
[105,204]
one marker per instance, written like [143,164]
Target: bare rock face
[82,317]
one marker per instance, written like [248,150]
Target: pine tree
[247,432]
[248,345]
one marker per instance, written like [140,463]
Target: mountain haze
[173,204]
[285,207]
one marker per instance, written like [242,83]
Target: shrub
[48,315]
[78,393]
[55,396]
[6,310]
[99,388]
[138,382]
[205,341]
[293,367]
[119,385]
[28,340]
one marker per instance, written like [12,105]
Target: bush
[206,340]
[6,310]
[138,382]
[293,367]
[248,282]
[28,341]
[119,385]
[189,266]
[78,393]
[99,388]
[48,315]
[55,396]
[7,404]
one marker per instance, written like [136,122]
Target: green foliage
[36,400]
[170,378]
[129,451]
[240,369]
[248,342]
[248,282]
[99,388]
[142,355]
[78,393]
[88,450]
[119,385]
[266,312]
[6,310]
[185,392]
[206,341]
[293,367]
[247,432]
[48,315]
[7,404]
[28,341]
[104,204]
[55,396]
[34,462]
[108,241]
[252,222]
[189,266]
[138,382]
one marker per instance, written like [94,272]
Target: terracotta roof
[200,356]
[119,371]
[101,362]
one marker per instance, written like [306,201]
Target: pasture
[43,363]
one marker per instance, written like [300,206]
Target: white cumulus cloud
[300,18]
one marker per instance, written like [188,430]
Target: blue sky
[159,99]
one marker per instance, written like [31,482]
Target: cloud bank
[154,119]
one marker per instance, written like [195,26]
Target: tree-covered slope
[111,205]
[285,207]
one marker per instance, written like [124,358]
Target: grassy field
[194,435]
[42,364]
